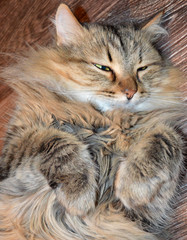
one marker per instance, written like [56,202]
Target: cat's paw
[134,190]
[124,119]
[149,174]
[71,173]
[79,194]
[75,183]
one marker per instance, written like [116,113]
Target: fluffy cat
[93,150]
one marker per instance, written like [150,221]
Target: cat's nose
[130,93]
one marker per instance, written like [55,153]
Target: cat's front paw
[147,178]
[131,188]
[134,190]
[77,192]
[71,173]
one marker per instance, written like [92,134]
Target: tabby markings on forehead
[140,55]
[109,56]
[114,41]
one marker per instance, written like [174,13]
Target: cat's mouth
[133,104]
[122,102]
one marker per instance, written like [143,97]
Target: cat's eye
[142,68]
[101,67]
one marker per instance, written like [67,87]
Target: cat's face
[113,67]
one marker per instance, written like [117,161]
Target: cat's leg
[146,180]
[62,159]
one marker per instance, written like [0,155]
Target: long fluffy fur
[72,168]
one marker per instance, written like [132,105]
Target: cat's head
[115,67]
[109,66]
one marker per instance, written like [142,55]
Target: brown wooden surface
[26,23]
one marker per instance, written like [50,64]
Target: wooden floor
[25,23]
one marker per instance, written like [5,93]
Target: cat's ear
[154,29]
[68,28]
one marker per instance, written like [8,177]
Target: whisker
[166,92]
[162,101]
[166,97]
[92,90]
[75,91]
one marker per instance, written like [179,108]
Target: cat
[94,148]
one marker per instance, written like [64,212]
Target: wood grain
[27,23]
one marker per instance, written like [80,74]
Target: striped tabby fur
[93,149]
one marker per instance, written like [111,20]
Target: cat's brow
[140,55]
[154,63]
[109,56]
